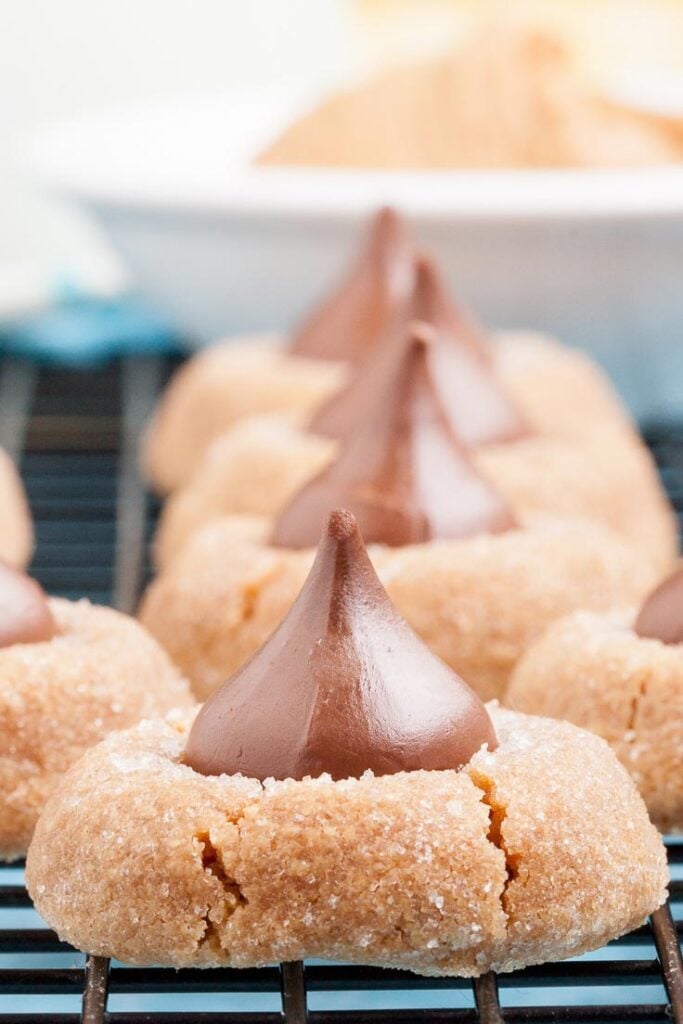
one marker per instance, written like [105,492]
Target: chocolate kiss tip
[343,686]
[421,339]
[661,615]
[387,218]
[387,229]
[432,302]
[356,315]
[341,525]
[427,276]
[421,335]
[25,616]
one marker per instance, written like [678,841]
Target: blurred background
[60,60]
[66,59]
[101,211]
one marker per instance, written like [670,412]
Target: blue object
[81,329]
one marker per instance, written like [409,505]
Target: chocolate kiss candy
[25,616]
[342,686]
[431,303]
[401,472]
[350,322]
[473,400]
[661,616]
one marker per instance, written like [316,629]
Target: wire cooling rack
[76,436]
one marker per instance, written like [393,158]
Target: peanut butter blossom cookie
[70,673]
[471,576]
[620,674]
[557,389]
[347,796]
[258,465]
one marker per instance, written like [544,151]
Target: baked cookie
[257,466]
[70,674]
[16,528]
[346,796]
[619,674]
[472,579]
[558,390]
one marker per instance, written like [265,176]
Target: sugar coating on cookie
[101,672]
[477,602]
[16,528]
[516,859]
[595,671]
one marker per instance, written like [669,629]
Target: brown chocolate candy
[342,686]
[25,616]
[471,395]
[431,303]
[661,616]
[350,322]
[402,471]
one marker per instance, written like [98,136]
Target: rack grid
[75,435]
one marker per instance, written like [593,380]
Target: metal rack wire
[76,435]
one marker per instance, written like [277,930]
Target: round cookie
[346,795]
[600,672]
[256,467]
[79,674]
[517,858]
[16,528]
[477,601]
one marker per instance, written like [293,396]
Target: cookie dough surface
[218,386]
[516,859]
[102,672]
[561,390]
[593,670]
[477,602]
[16,528]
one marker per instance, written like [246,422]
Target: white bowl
[593,255]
